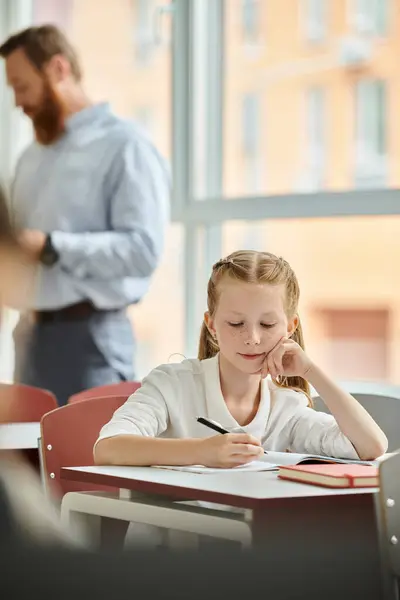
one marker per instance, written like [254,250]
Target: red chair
[124,388]
[24,403]
[68,435]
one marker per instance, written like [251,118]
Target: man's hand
[32,241]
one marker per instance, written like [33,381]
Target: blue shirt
[102,191]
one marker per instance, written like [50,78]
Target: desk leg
[330,541]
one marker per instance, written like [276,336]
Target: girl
[252,373]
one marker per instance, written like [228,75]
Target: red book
[335,476]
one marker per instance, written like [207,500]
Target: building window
[251,126]
[251,20]
[371,134]
[313,143]
[315,13]
[144,116]
[144,30]
[316,147]
[355,343]
[371,16]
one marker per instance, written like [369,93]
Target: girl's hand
[228,450]
[286,359]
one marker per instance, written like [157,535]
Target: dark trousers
[67,356]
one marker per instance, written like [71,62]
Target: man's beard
[48,120]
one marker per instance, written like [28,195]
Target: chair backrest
[68,435]
[24,403]
[388,522]
[124,388]
[385,410]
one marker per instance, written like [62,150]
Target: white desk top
[19,436]
[255,487]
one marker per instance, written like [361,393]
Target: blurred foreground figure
[91,202]
[24,512]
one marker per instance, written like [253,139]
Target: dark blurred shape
[211,574]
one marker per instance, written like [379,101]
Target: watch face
[49,255]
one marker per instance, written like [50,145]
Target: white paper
[255,465]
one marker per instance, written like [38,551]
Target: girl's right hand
[229,450]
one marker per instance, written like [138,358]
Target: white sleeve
[314,432]
[144,413]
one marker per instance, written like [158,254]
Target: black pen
[216,426]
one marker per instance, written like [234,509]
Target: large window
[312,147]
[371,152]
[350,302]
[280,120]
[371,17]
[315,15]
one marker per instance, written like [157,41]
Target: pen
[216,426]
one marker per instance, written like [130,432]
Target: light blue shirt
[103,192]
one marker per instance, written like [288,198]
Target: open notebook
[270,462]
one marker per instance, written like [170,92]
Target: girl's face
[249,321]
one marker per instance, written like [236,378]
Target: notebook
[332,475]
[269,462]
[255,465]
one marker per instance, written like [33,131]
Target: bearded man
[90,202]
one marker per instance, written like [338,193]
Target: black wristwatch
[49,255]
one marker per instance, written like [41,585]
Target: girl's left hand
[286,359]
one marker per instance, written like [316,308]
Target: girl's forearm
[136,450]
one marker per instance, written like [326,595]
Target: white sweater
[172,396]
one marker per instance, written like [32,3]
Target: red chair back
[124,388]
[68,435]
[24,403]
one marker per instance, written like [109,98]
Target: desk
[19,436]
[310,528]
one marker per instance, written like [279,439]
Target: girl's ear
[292,325]
[209,323]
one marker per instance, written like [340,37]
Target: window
[48,11]
[251,20]
[349,305]
[371,134]
[355,343]
[315,20]
[313,148]
[144,11]
[275,146]
[144,116]
[371,16]
[159,324]
[250,134]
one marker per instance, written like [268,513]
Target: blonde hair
[255,267]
